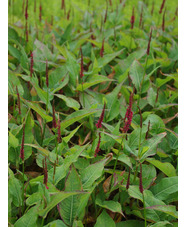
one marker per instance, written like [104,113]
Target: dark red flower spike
[128,115]
[162,6]
[102,48]
[128,180]
[54,125]
[98,145]
[132,19]
[148,47]
[99,124]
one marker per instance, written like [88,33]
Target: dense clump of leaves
[93,108]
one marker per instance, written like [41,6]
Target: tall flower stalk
[127,123]
[102,48]
[22,156]
[82,75]
[162,6]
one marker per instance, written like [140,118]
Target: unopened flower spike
[82,69]
[162,6]
[128,180]
[140,180]
[46,72]
[18,101]
[40,12]
[22,144]
[54,117]
[128,115]
[141,17]
[163,21]
[99,124]
[102,48]
[26,10]
[45,181]
[132,19]
[59,130]
[98,145]
[148,47]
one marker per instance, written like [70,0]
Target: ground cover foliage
[93,106]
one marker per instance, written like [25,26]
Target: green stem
[115,164]
[144,210]
[146,61]
[23,170]
[83,93]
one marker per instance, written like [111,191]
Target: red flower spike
[31,63]
[62,4]
[18,101]
[26,10]
[82,69]
[106,14]
[59,130]
[45,174]
[110,1]
[163,22]
[98,145]
[140,180]
[47,73]
[68,14]
[132,19]
[34,6]
[141,17]
[128,115]
[152,10]
[26,28]
[40,12]
[102,48]
[54,125]
[128,180]
[148,47]
[162,6]
[22,144]
[99,124]
[147,133]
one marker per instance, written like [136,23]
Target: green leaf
[90,174]
[156,124]
[165,187]
[56,223]
[130,223]
[78,224]
[76,116]
[13,141]
[68,208]
[136,74]
[38,109]
[70,102]
[14,188]
[110,205]
[160,82]
[29,219]
[125,159]
[162,223]
[150,145]
[166,167]
[150,200]
[104,220]
[91,81]
[168,209]
[148,174]
[67,138]
[55,199]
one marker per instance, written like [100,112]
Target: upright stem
[23,170]
[83,94]
[115,164]
[144,210]
[45,120]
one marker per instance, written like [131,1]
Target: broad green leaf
[13,141]
[38,109]
[168,209]
[29,219]
[67,138]
[160,82]
[78,224]
[76,116]
[151,96]
[34,199]
[150,145]
[127,41]
[165,187]
[91,81]
[150,200]
[156,124]
[69,206]
[14,188]
[108,58]
[136,74]
[56,223]
[70,102]
[166,167]
[43,151]
[148,174]
[90,174]
[104,220]
[161,223]
[55,199]
[125,159]
[130,223]
[110,205]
